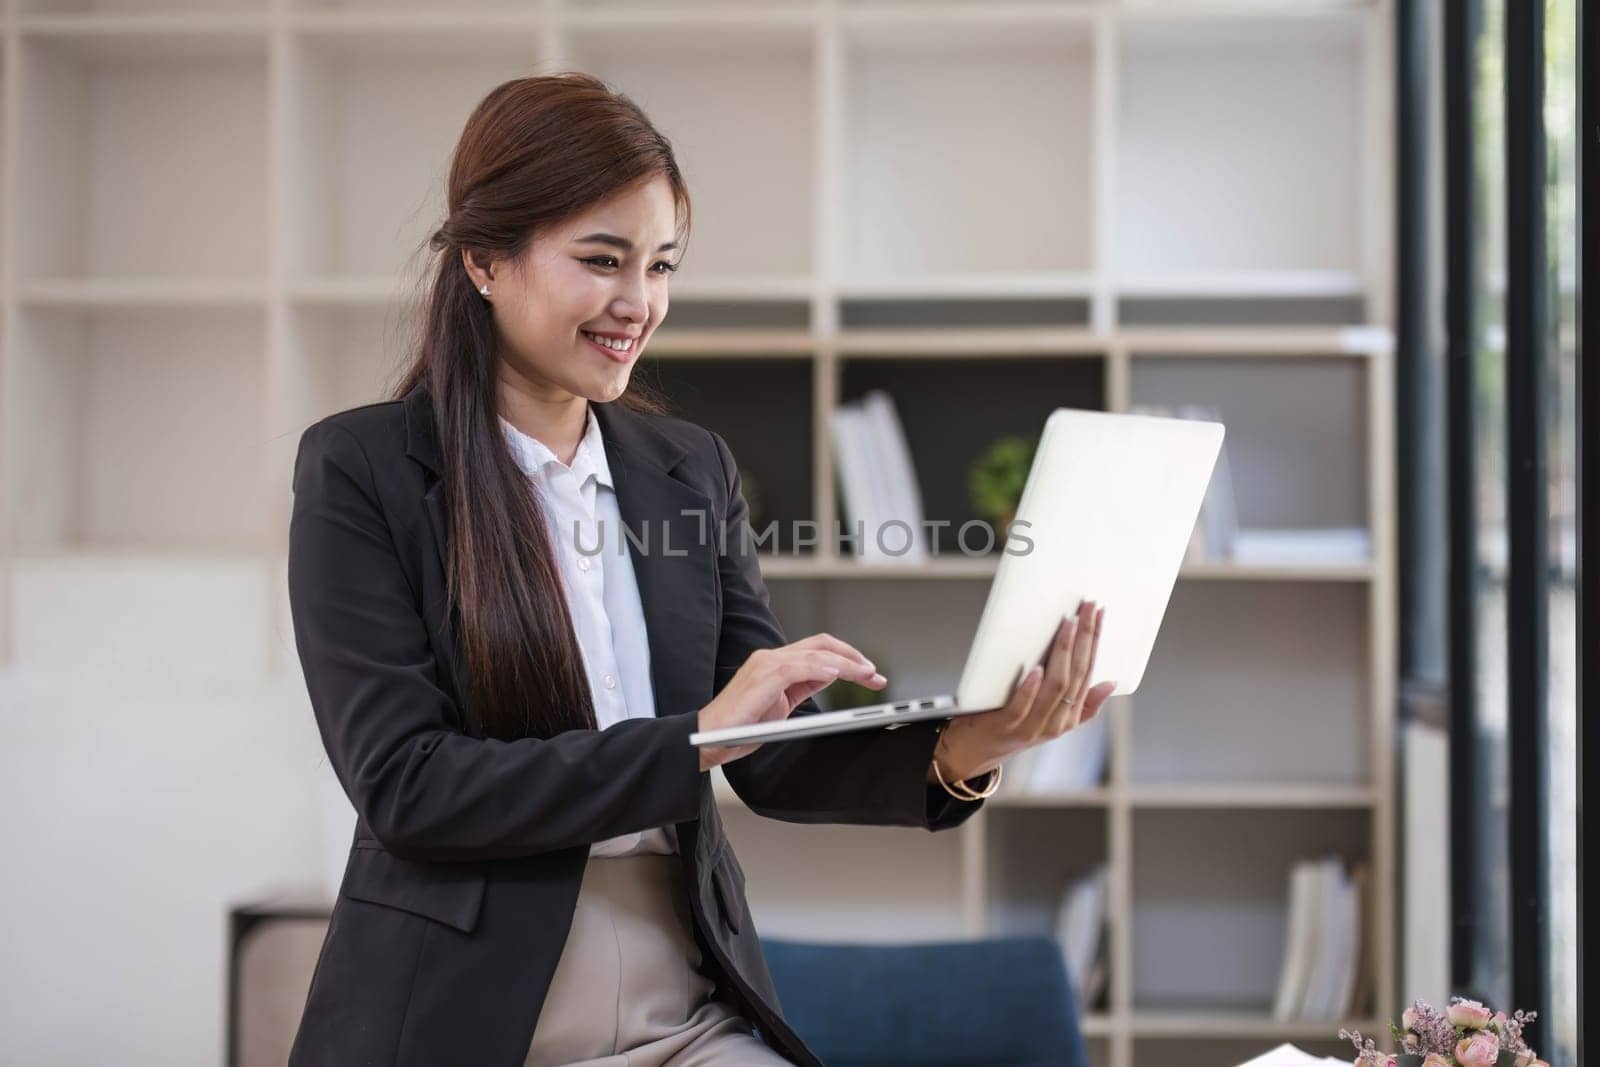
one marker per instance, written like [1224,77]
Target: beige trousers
[628,990]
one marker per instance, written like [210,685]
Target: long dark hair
[534,151]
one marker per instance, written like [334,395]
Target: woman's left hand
[1046,703]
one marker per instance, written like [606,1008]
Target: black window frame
[1439,627]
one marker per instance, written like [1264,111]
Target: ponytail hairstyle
[534,151]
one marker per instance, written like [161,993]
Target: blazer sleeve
[875,776]
[426,790]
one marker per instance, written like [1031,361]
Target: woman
[539,874]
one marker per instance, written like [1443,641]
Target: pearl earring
[484,289]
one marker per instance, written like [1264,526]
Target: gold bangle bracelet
[970,794]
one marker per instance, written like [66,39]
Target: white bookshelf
[211,220]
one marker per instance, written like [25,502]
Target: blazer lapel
[670,538]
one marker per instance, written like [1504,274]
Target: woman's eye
[606,261]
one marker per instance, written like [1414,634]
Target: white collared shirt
[580,504]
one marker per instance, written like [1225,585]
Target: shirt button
[611,682]
[583,563]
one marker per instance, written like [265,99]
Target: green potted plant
[996,477]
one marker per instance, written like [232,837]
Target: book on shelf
[1291,1056]
[878,481]
[1324,955]
[850,460]
[1347,943]
[904,497]
[1297,943]
[1081,929]
[1328,945]
[1072,762]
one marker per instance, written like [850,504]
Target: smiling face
[601,272]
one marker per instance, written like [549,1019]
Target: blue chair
[1000,1002]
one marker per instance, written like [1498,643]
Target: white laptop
[1106,515]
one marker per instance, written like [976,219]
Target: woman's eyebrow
[621,242]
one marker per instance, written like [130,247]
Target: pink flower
[1470,1014]
[1498,1023]
[1435,1060]
[1408,1018]
[1530,1059]
[1479,1049]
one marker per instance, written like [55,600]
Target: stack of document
[1331,544]
[1080,929]
[1075,760]
[878,483]
[1324,957]
[1289,1056]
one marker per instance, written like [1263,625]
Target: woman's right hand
[773,682]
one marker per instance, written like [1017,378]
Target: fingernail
[878,678]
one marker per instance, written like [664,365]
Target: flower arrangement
[1466,1034]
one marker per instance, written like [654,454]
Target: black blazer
[468,852]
